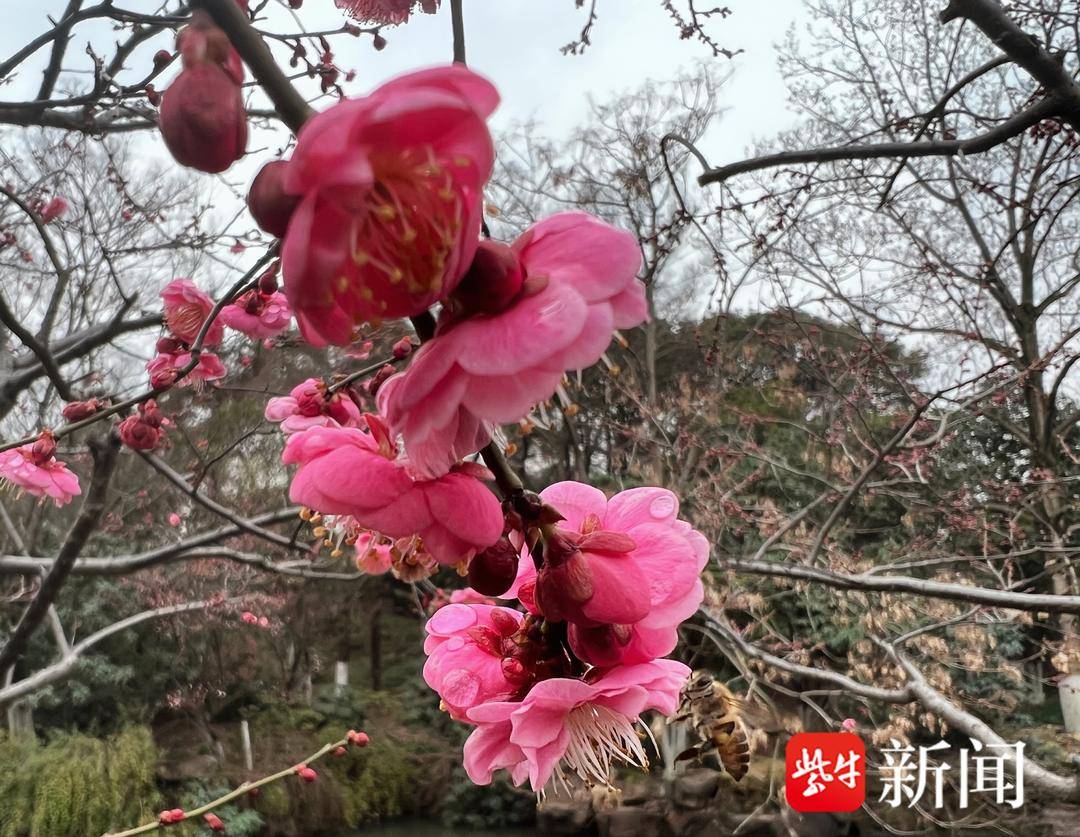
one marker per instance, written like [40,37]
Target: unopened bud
[79,410]
[358,739]
[403,348]
[379,42]
[492,281]
[306,773]
[492,572]
[270,205]
[379,378]
[169,345]
[213,822]
[171,816]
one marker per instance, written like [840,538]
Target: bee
[715,714]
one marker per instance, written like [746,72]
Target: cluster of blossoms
[557,688]
[379,212]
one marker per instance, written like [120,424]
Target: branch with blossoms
[204,813]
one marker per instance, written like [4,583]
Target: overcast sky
[515,43]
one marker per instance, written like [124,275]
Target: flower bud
[306,773]
[79,410]
[359,739]
[171,816]
[340,751]
[403,348]
[377,380]
[379,42]
[137,434]
[202,116]
[270,205]
[213,822]
[493,280]
[161,58]
[152,95]
[268,283]
[564,582]
[169,346]
[44,448]
[492,571]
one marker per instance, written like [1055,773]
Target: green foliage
[76,785]
[239,822]
[496,806]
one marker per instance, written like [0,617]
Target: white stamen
[599,736]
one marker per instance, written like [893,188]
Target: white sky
[516,44]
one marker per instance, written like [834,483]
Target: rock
[646,821]
[564,817]
[695,824]
[695,789]
[191,767]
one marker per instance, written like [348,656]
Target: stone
[631,822]
[564,817]
[695,789]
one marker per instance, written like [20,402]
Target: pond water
[430,828]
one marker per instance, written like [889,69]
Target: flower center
[598,737]
[410,221]
[185,320]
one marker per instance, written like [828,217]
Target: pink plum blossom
[472,656]
[467,595]
[186,309]
[575,286]
[572,726]
[53,209]
[346,470]
[664,566]
[385,12]
[390,201]
[258,315]
[311,404]
[36,470]
[165,367]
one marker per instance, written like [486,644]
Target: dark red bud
[169,345]
[213,822]
[514,671]
[79,410]
[504,623]
[268,281]
[493,571]
[161,58]
[379,378]
[306,773]
[44,447]
[270,206]
[202,117]
[493,280]
[379,42]
[295,4]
